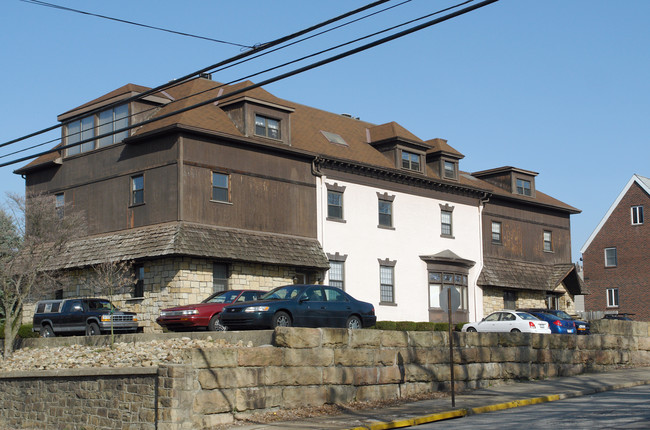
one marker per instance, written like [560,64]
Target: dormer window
[267,127]
[411,161]
[105,122]
[523,187]
[449,169]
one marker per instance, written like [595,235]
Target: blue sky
[558,87]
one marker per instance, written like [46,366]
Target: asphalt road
[621,409]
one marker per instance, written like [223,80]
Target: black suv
[81,316]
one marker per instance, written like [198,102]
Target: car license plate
[570,331]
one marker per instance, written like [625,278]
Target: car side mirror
[303,299]
[77,308]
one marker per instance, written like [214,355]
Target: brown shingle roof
[184,239]
[523,275]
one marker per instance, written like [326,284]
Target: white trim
[643,183]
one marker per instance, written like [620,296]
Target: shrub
[24,332]
[416,326]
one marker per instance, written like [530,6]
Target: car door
[490,323]
[507,322]
[72,316]
[337,309]
[312,308]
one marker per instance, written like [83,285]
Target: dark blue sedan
[556,324]
[300,306]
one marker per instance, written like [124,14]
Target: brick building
[617,255]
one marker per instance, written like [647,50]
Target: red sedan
[204,314]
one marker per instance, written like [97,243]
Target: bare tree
[32,236]
[111,278]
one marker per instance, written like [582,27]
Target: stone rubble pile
[132,354]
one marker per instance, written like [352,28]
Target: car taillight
[557,323]
[531,324]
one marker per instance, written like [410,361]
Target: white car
[509,321]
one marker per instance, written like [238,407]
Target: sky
[558,87]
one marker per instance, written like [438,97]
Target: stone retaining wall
[311,367]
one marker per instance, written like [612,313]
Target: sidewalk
[473,402]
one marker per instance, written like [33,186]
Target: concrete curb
[458,413]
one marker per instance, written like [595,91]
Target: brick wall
[307,367]
[630,276]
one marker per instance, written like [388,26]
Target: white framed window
[637,215]
[611,259]
[336,274]
[548,241]
[496,232]
[446,223]
[612,297]
[220,187]
[334,204]
[386,284]
[385,213]
[137,190]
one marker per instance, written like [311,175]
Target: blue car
[300,306]
[582,327]
[556,324]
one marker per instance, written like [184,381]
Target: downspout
[181,188]
[320,223]
[482,201]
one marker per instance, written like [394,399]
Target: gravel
[143,354]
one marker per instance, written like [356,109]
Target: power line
[56,6]
[177,81]
[276,78]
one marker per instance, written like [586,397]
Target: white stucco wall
[416,222]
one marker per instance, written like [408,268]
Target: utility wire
[56,6]
[276,78]
[175,82]
[263,71]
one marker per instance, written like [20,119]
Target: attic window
[523,187]
[267,127]
[410,161]
[104,122]
[449,168]
[334,138]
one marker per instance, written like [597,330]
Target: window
[334,204]
[138,289]
[496,232]
[111,120]
[610,257]
[385,213]
[523,187]
[336,274]
[637,215]
[137,190]
[509,300]
[106,121]
[445,223]
[449,169]
[220,187]
[410,161]
[219,277]
[267,127]
[612,297]
[552,301]
[548,241]
[387,281]
[438,280]
[59,204]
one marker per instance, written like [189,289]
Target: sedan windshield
[563,315]
[282,293]
[222,297]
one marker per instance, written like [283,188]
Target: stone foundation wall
[175,282]
[307,366]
